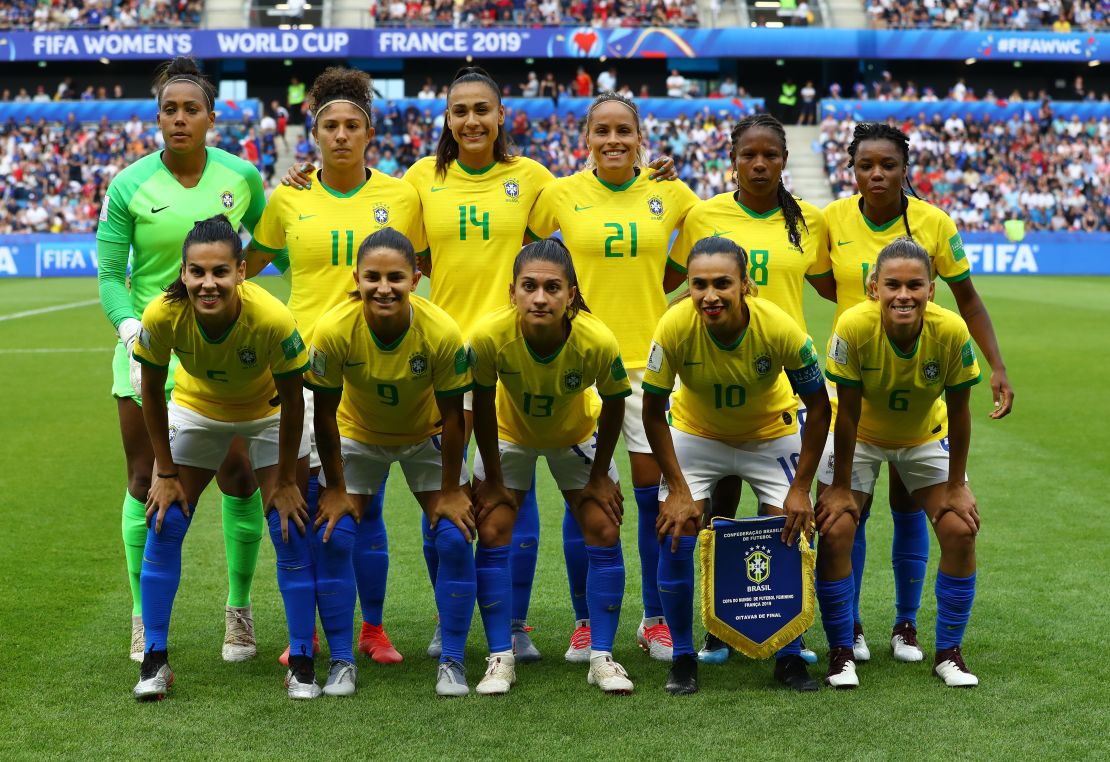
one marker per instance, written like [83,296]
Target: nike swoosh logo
[527,545]
[377,547]
[665,590]
[578,208]
[355,364]
[304,217]
[437,190]
[842,243]
[458,595]
[721,233]
[489,605]
[915,581]
[155,211]
[686,362]
[182,351]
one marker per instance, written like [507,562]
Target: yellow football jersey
[855,242]
[476,222]
[902,405]
[322,229]
[543,401]
[738,392]
[389,390]
[777,267]
[618,237]
[229,377]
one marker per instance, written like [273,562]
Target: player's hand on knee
[288,501]
[959,500]
[299,175]
[334,504]
[835,502]
[607,494]
[674,513]
[490,495]
[455,506]
[798,510]
[163,494]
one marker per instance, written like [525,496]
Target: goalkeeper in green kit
[148,209]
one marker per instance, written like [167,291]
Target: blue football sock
[455,588]
[835,600]
[578,563]
[647,504]
[335,587]
[371,559]
[909,555]
[793,648]
[604,592]
[859,556]
[161,574]
[296,577]
[431,557]
[676,591]
[494,588]
[954,598]
[525,549]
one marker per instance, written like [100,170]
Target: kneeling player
[534,362]
[240,356]
[734,415]
[402,369]
[892,358]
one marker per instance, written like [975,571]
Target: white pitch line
[52,350]
[45,310]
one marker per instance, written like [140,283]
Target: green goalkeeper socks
[134,540]
[243,524]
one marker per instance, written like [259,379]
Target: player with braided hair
[148,210]
[787,246]
[859,227]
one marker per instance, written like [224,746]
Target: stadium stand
[53,15]
[1051,172]
[488,13]
[969,15]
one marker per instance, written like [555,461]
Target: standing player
[618,224]
[239,348]
[534,362]
[401,366]
[317,233]
[148,209]
[787,244]
[732,416]
[859,227]
[892,358]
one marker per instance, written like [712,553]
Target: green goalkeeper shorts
[121,375]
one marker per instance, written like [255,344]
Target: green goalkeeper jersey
[147,209]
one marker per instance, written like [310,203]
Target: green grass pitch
[1036,637]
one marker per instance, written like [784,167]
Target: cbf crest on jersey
[418,364]
[655,206]
[572,380]
[512,189]
[762,365]
[248,356]
[381,214]
[227,198]
[931,371]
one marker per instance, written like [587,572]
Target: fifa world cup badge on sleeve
[756,593]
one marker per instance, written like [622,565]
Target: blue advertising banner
[74,254]
[879,111]
[116,111]
[556,42]
[756,592]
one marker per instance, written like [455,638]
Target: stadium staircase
[846,14]
[808,178]
[732,13]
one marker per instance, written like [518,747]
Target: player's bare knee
[839,538]
[954,535]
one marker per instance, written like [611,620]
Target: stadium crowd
[1051,172]
[486,13]
[974,15]
[51,15]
